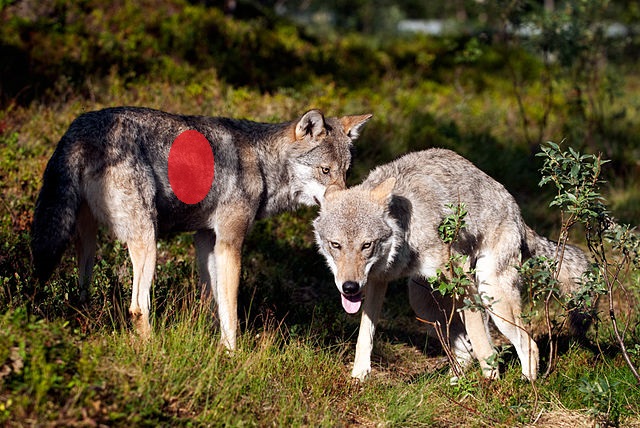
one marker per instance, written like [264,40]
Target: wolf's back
[574,260]
[55,213]
[574,264]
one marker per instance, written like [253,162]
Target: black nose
[350,288]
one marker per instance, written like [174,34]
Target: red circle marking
[190,166]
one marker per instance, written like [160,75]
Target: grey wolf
[111,168]
[386,228]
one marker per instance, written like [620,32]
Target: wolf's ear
[382,192]
[353,124]
[331,192]
[311,124]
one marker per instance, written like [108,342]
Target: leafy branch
[452,281]
[615,248]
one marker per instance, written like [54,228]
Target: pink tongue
[349,306]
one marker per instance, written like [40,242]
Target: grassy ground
[56,376]
[65,366]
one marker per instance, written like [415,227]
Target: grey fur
[386,228]
[111,168]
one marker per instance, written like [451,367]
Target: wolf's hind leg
[86,232]
[205,241]
[432,307]
[143,259]
[499,289]
[123,199]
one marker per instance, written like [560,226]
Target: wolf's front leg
[481,342]
[228,280]
[230,231]
[372,307]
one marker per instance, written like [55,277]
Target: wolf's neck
[274,167]
[401,257]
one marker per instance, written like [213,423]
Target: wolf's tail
[55,215]
[574,263]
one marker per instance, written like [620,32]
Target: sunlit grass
[181,376]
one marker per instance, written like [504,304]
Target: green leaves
[452,224]
[456,277]
[537,272]
[602,400]
[576,177]
[614,247]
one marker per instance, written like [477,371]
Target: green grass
[55,375]
[293,363]
[65,366]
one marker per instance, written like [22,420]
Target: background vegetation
[513,76]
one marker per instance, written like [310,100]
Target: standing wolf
[387,228]
[112,167]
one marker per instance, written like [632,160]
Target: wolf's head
[357,236]
[321,153]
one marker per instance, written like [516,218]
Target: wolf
[112,168]
[386,228]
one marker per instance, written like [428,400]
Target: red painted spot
[190,167]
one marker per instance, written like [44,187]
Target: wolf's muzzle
[350,288]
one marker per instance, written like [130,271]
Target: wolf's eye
[325,170]
[366,245]
[335,245]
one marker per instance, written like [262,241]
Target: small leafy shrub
[615,248]
[601,398]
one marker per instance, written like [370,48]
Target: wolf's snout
[350,288]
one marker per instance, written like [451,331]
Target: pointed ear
[353,124]
[332,192]
[311,124]
[382,192]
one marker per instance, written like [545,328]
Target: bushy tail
[574,264]
[55,214]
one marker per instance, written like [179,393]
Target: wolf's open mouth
[351,304]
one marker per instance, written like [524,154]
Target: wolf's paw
[528,377]
[491,373]
[360,373]
[228,341]
[83,298]
[141,323]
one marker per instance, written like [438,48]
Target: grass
[61,366]
[53,375]
[65,366]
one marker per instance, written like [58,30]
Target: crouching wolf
[387,228]
[113,167]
